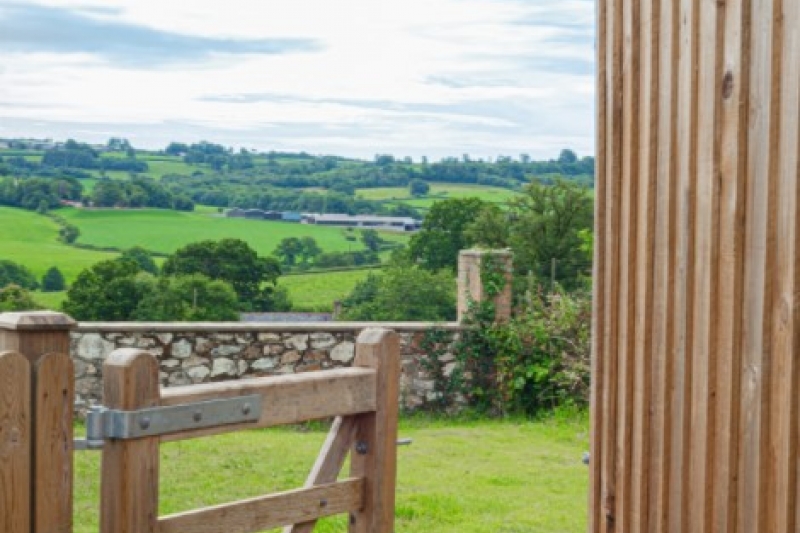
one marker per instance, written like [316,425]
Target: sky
[356,78]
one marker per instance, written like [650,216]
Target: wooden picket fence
[36,437]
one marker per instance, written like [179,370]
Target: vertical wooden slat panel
[703,354]
[755,343]
[781,449]
[658,500]
[680,400]
[696,408]
[728,309]
[645,240]
[625,297]
[15,443]
[611,176]
[599,378]
[53,399]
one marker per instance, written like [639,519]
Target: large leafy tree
[16,274]
[443,235]
[142,257]
[289,249]
[231,260]
[545,226]
[108,291]
[403,293]
[193,297]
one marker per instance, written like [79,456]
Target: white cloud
[354,77]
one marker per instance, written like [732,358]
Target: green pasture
[32,240]
[457,477]
[438,191]
[317,291]
[165,231]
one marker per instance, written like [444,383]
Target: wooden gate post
[374,456]
[129,487]
[42,337]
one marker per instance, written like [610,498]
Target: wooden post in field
[42,338]
[129,493]
[374,455]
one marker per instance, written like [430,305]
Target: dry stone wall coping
[191,353]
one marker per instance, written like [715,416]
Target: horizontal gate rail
[284,399]
[274,510]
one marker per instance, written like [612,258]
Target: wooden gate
[36,442]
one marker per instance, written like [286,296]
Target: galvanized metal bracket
[103,423]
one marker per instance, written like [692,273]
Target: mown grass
[32,240]
[457,476]
[166,231]
[317,291]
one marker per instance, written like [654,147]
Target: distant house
[365,221]
[235,213]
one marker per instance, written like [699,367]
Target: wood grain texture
[275,510]
[329,462]
[285,399]
[378,349]
[696,331]
[16,442]
[53,400]
[129,477]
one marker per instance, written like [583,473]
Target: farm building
[365,221]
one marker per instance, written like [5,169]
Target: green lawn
[31,239]
[457,477]
[165,231]
[317,291]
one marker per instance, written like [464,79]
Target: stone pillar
[470,287]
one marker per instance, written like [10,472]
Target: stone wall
[191,353]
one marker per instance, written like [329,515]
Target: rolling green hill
[165,231]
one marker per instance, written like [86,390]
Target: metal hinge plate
[103,423]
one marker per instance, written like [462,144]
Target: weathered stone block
[297,342]
[344,352]
[93,346]
[223,367]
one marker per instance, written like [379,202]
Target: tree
[16,298]
[399,293]
[546,223]
[310,249]
[288,250]
[419,188]
[141,257]
[109,290]
[192,297]
[443,232]
[371,239]
[53,280]
[12,273]
[68,233]
[567,156]
[231,260]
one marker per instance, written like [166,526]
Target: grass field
[438,191]
[317,292]
[165,231]
[456,477]
[31,239]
